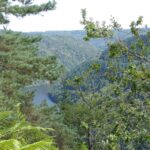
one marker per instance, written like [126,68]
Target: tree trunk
[90,142]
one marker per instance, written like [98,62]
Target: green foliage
[65,136]
[21,66]
[116,116]
[10,144]
[104,107]
[95,30]
[42,145]
[117,49]
[17,134]
[134,26]
[21,8]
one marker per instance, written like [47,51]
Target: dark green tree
[117,116]
[20,63]
[20,66]
[65,136]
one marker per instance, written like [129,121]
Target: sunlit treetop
[97,30]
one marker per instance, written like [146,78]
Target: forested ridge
[99,80]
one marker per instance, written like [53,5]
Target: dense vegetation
[68,50]
[102,105]
[20,66]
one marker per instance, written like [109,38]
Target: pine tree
[22,8]
[20,63]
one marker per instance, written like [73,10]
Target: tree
[20,63]
[117,116]
[64,135]
[21,66]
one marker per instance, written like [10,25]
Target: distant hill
[69,50]
[79,34]
[74,53]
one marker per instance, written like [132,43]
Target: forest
[73,90]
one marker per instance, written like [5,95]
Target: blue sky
[67,15]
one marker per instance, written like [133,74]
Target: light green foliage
[17,134]
[42,145]
[95,30]
[10,144]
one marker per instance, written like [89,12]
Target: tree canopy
[105,107]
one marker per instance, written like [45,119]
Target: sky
[67,15]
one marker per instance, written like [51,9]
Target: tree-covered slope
[69,51]
[100,43]
[72,52]
[75,54]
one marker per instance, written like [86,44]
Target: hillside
[70,51]
[73,53]
[100,43]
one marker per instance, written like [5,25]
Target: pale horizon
[67,15]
